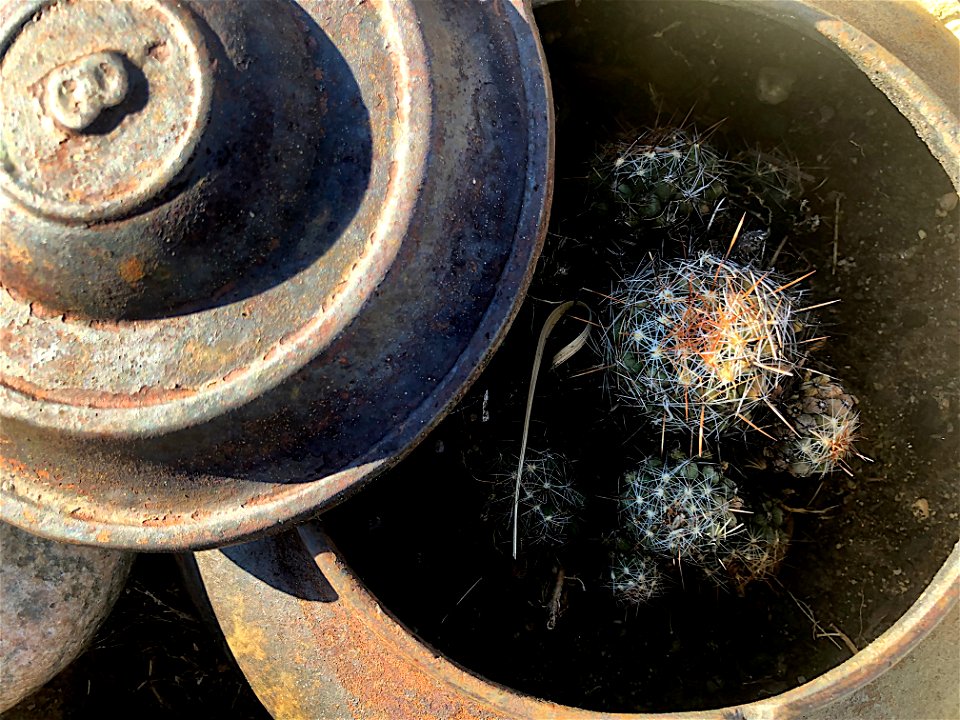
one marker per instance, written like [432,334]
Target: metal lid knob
[102,105]
[254,275]
[151,150]
[76,93]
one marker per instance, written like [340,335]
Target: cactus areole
[250,252]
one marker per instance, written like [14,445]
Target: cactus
[635,579]
[548,503]
[681,509]
[772,184]
[823,424]
[757,552]
[698,344]
[664,176]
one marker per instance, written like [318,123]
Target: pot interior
[863,547]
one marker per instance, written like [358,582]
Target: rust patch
[15,467]
[248,642]
[42,312]
[246,639]
[132,270]
[379,663]
[15,254]
[384,684]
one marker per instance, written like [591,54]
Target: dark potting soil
[863,547]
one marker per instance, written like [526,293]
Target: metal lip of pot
[275,577]
[323,266]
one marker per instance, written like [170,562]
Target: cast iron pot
[342,654]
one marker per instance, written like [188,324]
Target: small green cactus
[772,184]
[756,553]
[680,509]
[823,425]
[635,579]
[548,504]
[663,176]
[697,344]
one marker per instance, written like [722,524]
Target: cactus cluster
[687,512]
[697,344]
[823,425]
[712,347]
[701,342]
[681,508]
[548,504]
[665,175]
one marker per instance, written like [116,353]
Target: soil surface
[864,547]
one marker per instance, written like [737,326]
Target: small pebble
[774,85]
[921,509]
[949,202]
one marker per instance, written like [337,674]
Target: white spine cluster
[697,344]
[663,175]
[680,509]
[635,580]
[549,502]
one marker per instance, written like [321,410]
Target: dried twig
[555,596]
[807,511]
[836,234]
[819,632]
[846,640]
[166,606]
[564,354]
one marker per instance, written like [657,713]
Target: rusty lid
[249,253]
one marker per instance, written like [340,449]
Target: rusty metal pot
[250,252]
[342,654]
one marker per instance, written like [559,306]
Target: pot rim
[934,603]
